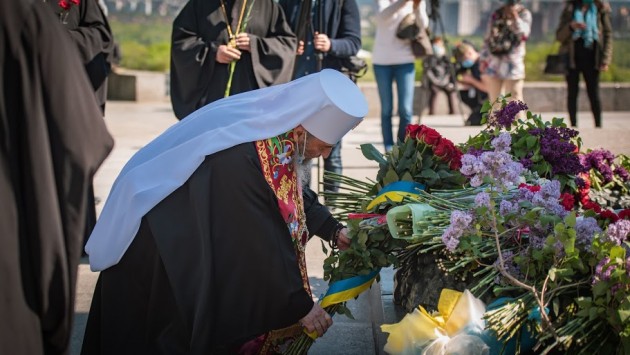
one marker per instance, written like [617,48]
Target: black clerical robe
[89,29]
[197,79]
[52,139]
[213,265]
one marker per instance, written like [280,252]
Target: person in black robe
[53,140]
[217,265]
[200,50]
[89,29]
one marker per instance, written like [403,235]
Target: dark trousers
[433,98]
[586,65]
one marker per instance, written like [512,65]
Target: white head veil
[327,104]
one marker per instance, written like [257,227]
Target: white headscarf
[327,104]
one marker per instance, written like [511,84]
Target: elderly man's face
[316,148]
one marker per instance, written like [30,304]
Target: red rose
[625,214]
[64,4]
[444,150]
[412,130]
[429,136]
[610,215]
[76,2]
[567,201]
[456,161]
[590,205]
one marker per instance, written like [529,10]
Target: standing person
[437,75]
[201,242]
[338,39]
[394,61]
[473,90]
[586,36]
[208,35]
[503,53]
[53,140]
[89,29]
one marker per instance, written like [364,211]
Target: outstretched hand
[343,242]
[317,320]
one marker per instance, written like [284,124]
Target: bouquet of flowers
[606,182]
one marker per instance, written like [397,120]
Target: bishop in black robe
[53,139]
[212,266]
[198,79]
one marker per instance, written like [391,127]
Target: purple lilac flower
[618,232]
[557,149]
[506,116]
[460,223]
[551,190]
[497,165]
[628,266]
[502,143]
[482,200]
[506,207]
[580,183]
[600,160]
[536,242]
[601,273]
[526,162]
[508,264]
[474,151]
[622,173]
[585,230]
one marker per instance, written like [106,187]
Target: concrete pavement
[134,124]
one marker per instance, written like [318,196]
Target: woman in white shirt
[394,61]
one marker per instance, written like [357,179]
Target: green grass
[145,45]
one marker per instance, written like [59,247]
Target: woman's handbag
[557,64]
[410,29]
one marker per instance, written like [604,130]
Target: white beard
[303,171]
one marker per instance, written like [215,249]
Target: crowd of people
[259,92]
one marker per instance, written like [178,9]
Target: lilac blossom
[618,232]
[506,207]
[622,173]
[600,160]
[602,273]
[506,116]
[460,223]
[585,230]
[628,266]
[482,200]
[508,264]
[502,143]
[558,150]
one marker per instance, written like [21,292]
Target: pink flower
[64,4]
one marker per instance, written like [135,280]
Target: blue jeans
[333,164]
[404,75]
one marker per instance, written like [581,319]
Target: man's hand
[300,48]
[227,54]
[317,320]
[343,242]
[243,43]
[321,42]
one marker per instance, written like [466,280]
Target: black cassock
[197,79]
[52,140]
[212,265]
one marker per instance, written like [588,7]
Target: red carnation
[610,215]
[534,188]
[567,201]
[412,130]
[64,4]
[429,136]
[624,214]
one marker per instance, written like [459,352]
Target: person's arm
[273,55]
[523,23]
[607,45]
[320,221]
[564,31]
[93,35]
[386,10]
[348,39]
[469,79]
[421,14]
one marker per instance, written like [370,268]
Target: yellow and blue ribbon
[396,191]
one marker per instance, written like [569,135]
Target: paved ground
[135,124]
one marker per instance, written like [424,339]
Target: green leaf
[569,220]
[531,141]
[552,274]
[429,174]
[371,153]
[486,107]
[324,249]
[617,252]
[390,177]
[406,177]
